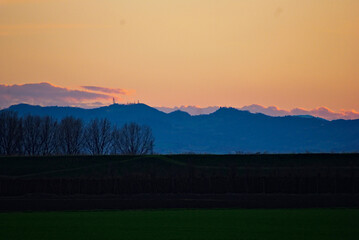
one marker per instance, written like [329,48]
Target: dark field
[177,165]
[179,181]
[183,224]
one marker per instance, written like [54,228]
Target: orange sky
[288,53]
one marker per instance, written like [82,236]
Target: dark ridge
[228,130]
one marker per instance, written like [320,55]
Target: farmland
[183,224]
[179,181]
[259,196]
[165,165]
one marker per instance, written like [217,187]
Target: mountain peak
[230,111]
[179,113]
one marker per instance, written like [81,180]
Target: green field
[183,224]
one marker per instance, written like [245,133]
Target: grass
[183,224]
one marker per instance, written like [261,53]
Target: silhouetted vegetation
[41,136]
[133,139]
[98,137]
[11,134]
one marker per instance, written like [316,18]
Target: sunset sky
[284,53]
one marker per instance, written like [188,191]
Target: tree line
[36,136]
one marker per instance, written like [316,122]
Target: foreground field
[183,224]
[274,181]
[180,165]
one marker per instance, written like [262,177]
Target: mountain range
[226,130]
[273,111]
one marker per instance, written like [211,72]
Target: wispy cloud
[108,90]
[47,94]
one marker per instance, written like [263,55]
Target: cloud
[326,113]
[271,110]
[107,90]
[47,94]
[321,112]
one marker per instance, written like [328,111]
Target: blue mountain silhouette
[227,130]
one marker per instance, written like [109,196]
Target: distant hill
[226,130]
[321,112]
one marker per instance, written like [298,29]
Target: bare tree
[70,136]
[98,136]
[45,136]
[115,136]
[133,139]
[31,135]
[10,133]
[48,136]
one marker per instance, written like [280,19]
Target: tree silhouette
[70,136]
[133,139]
[31,135]
[48,130]
[98,136]
[35,135]
[10,133]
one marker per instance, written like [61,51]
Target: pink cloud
[47,94]
[321,112]
[326,113]
[107,90]
[271,110]
[352,114]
